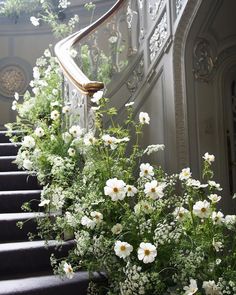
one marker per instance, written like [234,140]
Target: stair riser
[7,165]
[28,260]
[10,232]
[8,149]
[11,203]
[18,182]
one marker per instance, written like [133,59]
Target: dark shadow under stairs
[25,265]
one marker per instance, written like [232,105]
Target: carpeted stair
[25,265]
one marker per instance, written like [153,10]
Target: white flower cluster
[167,233]
[117,189]
[83,241]
[63,4]
[154,148]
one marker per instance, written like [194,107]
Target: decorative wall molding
[178,6]
[136,77]
[158,37]
[155,7]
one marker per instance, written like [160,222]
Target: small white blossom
[36,73]
[211,288]
[154,189]
[180,213]
[123,249]
[28,142]
[143,207]
[76,131]
[67,137]
[66,110]
[154,148]
[117,229]
[192,288]
[147,252]
[63,4]
[212,183]
[16,96]
[195,183]
[68,271]
[89,223]
[71,152]
[146,170]
[27,164]
[47,53]
[202,209]
[144,118]
[34,21]
[185,174]
[214,198]
[230,220]
[44,203]
[217,245]
[115,189]
[110,141]
[89,139]
[55,115]
[97,216]
[131,190]
[14,105]
[97,96]
[217,217]
[39,132]
[209,158]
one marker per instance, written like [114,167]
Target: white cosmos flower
[55,115]
[24,154]
[209,158]
[153,148]
[89,139]
[27,164]
[115,189]
[180,213]
[195,183]
[214,198]
[211,288]
[230,220]
[110,141]
[144,118]
[192,288]
[154,189]
[129,104]
[28,142]
[147,252]
[89,223]
[217,217]
[146,170]
[202,209]
[71,152]
[217,245]
[44,203]
[68,270]
[97,96]
[143,207]
[34,21]
[16,96]
[123,249]
[14,105]
[76,131]
[66,136]
[39,132]
[185,174]
[131,190]
[215,185]
[66,110]
[97,216]
[117,229]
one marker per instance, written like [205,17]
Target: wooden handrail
[69,67]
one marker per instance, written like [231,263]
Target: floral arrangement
[149,232]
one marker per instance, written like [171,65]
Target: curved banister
[69,67]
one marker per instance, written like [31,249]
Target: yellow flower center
[115,190]
[122,248]
[147,252]
[203,210]
[153,190]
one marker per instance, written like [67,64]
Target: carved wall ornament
[178,5]
[158,37]
[203,61]
[136,77]
[130,15]
[12,79]
[154,8]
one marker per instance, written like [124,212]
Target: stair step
[5,138]
[49,284]
[28,257]
[9,149]
[11,232]
[17,180]
[11,201]
[6,163]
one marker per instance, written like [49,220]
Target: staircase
[25,265]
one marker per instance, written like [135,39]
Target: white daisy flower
[97,96]
[143,207]
[66,136]
[185,174]
[147,252]
[89,139]
[97,216]
[71,152]
[144,118]
[146,170]
[68,270]
[28,142]
[209,158]
[131,190]
[115,189]
[180,213]
[89,223]
[202,209]
[117,229]
[66,110]
[39,132]
[27,164]
[192,288]
[35,21]
[154,189]
[214,198]
[195,183]
[215,185]
[76,131]
[123,249]
[211,288]
[55,115]
[110,141]
[217,217]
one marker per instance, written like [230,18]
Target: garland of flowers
[127,217]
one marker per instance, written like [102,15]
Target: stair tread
[15,173]
[20,192]
[7,157]
[20,216]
